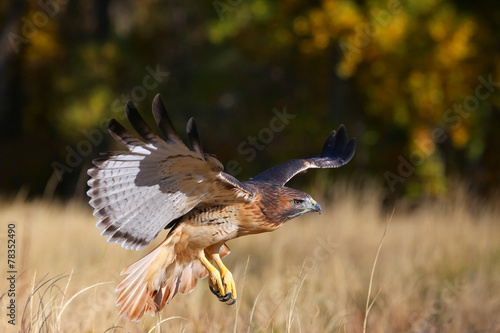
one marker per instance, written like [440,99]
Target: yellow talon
[215,280]
[220,283]
[227,279]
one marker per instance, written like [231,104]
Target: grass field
[438,271]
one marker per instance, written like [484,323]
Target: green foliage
[394,71]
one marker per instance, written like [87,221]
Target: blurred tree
[416,82]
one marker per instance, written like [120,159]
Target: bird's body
[236,220]
[160,185]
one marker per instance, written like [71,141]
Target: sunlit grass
[438,270]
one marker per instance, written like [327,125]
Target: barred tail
[153,281]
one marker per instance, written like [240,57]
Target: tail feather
[187,282]
[167,292]
[146,278]
[154,280]
[135,306]
[162,296]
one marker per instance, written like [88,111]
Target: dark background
[405,77]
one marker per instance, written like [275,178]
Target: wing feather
[336,152]
[140,125]
[135,194]
[193,136]
[163,121]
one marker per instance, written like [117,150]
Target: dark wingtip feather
[115,128]
[340,141]
[335,144]
[349,150]
[329,143]
[131,110]
[118,132]
[194,139]
[138,123]
[163,121]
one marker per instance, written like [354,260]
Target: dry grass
[438,271]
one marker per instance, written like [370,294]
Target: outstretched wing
[136,194]
[337,151]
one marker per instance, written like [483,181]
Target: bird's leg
[227,280]
[214,277]
[220,294]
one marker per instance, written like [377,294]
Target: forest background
[417,82]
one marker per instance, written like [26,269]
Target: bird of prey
[163,184]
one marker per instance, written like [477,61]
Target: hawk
[163,184]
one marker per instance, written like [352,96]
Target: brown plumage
[162,184]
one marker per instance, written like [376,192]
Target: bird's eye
[297,202]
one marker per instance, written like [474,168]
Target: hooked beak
[315,207]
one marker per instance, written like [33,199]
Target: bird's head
[295,203]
